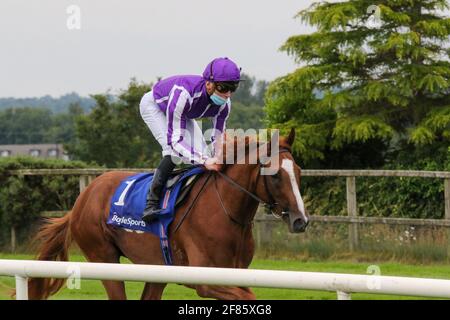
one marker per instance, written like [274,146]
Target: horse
[211,228]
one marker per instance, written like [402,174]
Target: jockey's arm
[179,104]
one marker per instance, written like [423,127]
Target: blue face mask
[218,100]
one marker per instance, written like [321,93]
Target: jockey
[170,110]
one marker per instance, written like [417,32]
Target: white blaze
[288,166]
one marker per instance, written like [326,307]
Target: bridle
[270,205]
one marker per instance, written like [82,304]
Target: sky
[96,46]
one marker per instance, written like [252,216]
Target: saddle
[129,199]
[186,186]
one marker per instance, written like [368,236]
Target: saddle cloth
[129,200]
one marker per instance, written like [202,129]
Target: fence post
[341,295]
[447,211]
[352,211]
[85,180]
[21,288]
[266,230]
[13,239]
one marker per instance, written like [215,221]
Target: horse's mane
[250,144]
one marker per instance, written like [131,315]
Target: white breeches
[156,120]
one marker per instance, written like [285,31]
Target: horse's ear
[291,137]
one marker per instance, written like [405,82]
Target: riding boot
[160,178]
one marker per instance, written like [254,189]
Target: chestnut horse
[217,231]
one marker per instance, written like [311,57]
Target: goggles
[227,86]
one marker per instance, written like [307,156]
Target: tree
[62,129]
[56,105]
[372,86]
[24,125]
[37,125]
[247,104]
[250,91]
[114,134]
[245,116]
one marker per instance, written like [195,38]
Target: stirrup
[151,215]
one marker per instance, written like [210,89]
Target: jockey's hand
[212,164]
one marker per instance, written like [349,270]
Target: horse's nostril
[299,225]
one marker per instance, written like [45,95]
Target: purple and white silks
[181,99]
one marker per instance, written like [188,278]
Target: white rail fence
[342,284]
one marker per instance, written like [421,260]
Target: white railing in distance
[342,284]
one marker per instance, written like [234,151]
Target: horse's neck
[241,204]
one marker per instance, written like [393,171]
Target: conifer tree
[371,72]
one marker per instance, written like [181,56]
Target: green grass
[93,289]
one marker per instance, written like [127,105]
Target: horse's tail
[54,238]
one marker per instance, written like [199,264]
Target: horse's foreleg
[153,291]
[115,289]
[225,293]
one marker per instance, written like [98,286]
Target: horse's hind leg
[107,253]
[114,289]
[153,291]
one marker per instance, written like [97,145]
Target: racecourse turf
[93,289]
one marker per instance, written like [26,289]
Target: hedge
[23,198]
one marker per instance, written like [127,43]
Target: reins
[242,224]
[238,186]
[192,203]
[271,204]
